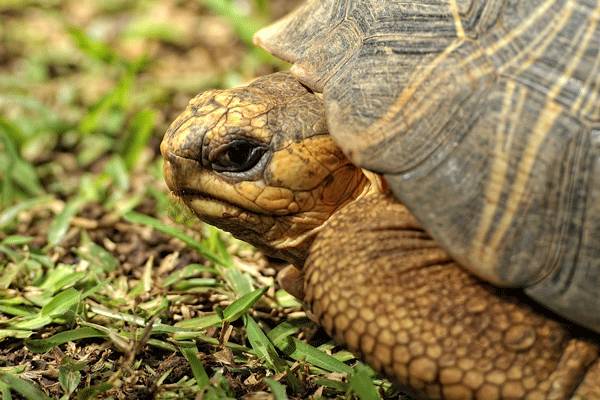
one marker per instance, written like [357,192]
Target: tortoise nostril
[184,142]
[169,157]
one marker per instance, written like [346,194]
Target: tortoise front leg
[381,286]
[589,388]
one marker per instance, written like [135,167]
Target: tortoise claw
[291,279]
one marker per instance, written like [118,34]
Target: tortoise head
[258,162]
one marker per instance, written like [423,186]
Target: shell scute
[483,116]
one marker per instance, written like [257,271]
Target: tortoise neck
[370,185]
[296,248]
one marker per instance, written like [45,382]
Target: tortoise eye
[237,156]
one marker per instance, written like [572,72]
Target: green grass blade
[114,101]
[190,284]
[14,333]
[21,172]
[302,351]
[139,134]
[43,345]
[120,316]
[199,323]
[68,378]
[10,272]
[190,352]
[93,48]
[159,344]
[9,214]
[361,383]
[239,307]
[33,323]
[94,392]
[215,242]
[332,384]
[99,258]
[25,388]
[60,224]
[278,335]
[262,345]
[142,219]
[25,175]
[237,280]
[61,276]
[16,311]
[61,303]
[5,391]
[189,271]
[16,240]
[240,282]
[117,171]
[277,389]
[244,25]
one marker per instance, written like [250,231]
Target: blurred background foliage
[81,81]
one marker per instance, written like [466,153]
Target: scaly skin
[372,277]
[280,203]
[385,289]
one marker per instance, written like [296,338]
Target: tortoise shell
[484,118]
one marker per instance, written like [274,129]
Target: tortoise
[259,162]
[493,106]
[483,120]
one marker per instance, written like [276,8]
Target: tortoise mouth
[206,204]
[182,175]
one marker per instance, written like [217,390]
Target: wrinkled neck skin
[296,250]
